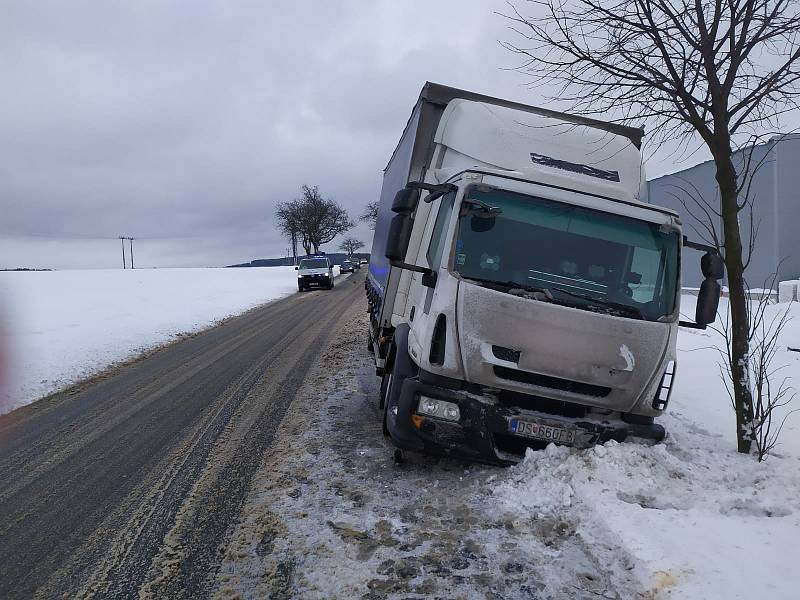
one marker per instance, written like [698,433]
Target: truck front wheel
[386,386]
[401,368]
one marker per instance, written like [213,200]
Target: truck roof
[441,95]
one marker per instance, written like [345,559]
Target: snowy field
[62,326]
[331,516]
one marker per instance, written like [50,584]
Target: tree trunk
[740,327]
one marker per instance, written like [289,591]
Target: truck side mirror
[712,265]
[713,268]
[481,223]
[633,278]
[405,201]
[707,302]
[399,237]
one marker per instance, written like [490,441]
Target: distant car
[314,272]
[355,262]
[347,267]
[363,261]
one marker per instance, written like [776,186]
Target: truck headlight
[440,409]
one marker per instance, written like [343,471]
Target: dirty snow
[331,516]
[62,326]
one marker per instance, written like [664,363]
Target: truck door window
[434,254]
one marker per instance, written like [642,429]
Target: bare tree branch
[312,219]
[720,71]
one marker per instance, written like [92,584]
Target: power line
[66,236]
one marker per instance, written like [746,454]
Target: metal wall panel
[776,209]
[787,200]
[676,191]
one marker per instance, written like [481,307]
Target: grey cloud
[183,123]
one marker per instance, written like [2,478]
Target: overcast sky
[183,123]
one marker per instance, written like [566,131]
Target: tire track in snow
[94,477]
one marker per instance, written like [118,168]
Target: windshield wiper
[618,306]
[481,205]
[513,286]
[546,295]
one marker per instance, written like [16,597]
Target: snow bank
[63,326]
[701,520]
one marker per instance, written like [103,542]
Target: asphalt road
[129,483]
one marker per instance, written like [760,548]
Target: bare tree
[350,245]
[289,216]
[370,214]
[312,219]
[323,218]
[712,72]
[771,390]
[768,389]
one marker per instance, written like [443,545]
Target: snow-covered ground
[331,516]
[59,327]
[701,520]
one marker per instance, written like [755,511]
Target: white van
[315,271]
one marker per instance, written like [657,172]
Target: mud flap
[399,398]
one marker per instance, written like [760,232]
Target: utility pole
[122,239]
[130,239]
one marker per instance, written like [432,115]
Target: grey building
[776,209]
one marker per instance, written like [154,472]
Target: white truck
[521,289]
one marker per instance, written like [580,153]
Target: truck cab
[536,294]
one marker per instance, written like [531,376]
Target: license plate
[538,431]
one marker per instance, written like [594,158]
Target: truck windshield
[314,263]
[577,256]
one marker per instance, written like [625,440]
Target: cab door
[431,254]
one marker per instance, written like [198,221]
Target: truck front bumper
[483,431]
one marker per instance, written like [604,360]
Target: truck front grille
[504,353]
[545,405]
[554,383]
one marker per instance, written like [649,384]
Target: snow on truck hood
[555,341]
